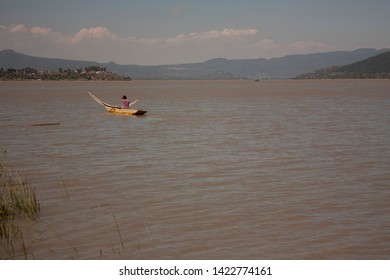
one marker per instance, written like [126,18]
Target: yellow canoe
[117,109]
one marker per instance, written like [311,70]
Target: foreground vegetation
[89,73]
[17,200]
[20,229]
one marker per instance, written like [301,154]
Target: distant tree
[95,68]
[91,73]
[29,70]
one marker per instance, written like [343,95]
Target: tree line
[88,73]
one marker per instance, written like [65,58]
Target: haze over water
[215,170]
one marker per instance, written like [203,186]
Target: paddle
[132,103]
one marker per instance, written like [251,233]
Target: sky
[155,32]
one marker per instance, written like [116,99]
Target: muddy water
[216,170]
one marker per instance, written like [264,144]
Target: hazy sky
[172,31]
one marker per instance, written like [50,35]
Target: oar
[132,103]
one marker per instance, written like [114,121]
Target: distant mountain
[377,66]
[276,68]
[12,59]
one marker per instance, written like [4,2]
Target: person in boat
[125,102]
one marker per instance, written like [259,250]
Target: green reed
[12,243]
[17,198]
[119,232]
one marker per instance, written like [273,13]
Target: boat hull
[122,111]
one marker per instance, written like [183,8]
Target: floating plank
[45,124]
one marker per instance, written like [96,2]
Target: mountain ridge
[374,67]
[285,67]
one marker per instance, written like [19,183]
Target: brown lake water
[215,170]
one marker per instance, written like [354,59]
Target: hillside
[276,68]
[374,67]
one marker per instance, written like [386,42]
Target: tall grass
[17,198]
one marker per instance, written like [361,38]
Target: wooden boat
[117,109]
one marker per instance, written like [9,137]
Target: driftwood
[45,124]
